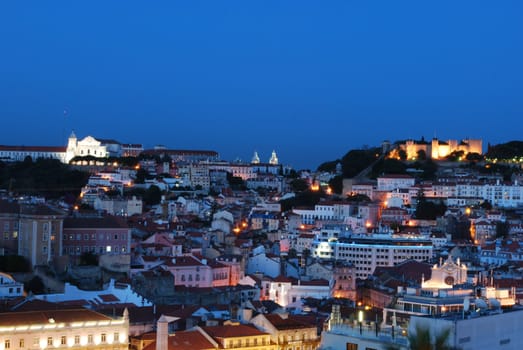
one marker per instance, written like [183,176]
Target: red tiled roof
[188,340]
[108,298]
[43,317]
[289,322]
[232,331]
[33,148]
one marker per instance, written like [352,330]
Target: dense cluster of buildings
[212,267]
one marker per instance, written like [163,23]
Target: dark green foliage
[388,166]
[502,229]
[88,259]
[141,176]
[299,185]
[421,339]
[236,183]
[455,156]
[427,210]
[329,166]
[507,150]
[357,160]
[303,199]
[402,154]
[14,263]
[46,177]
[422,155]
[504,170]
[336,184]
[474,157]
[35,285]
[152,196]
[358,198]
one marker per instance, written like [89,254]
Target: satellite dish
[466,304]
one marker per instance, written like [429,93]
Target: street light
[360,320]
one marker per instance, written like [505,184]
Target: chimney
[162,333]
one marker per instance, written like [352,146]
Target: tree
[299,185]
[35,285]
[329,166]
[421,339]
[402,154]
[422,155]
[153,195]
[427,210]
[88,259]
[502,229]
[336,184]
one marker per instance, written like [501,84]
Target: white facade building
[366,252]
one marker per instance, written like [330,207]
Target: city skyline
[309,81]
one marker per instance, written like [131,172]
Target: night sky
[310,79]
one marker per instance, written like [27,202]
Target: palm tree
[421,339]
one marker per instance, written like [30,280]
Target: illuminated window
[76,339]
[36,341]
[49,341]
[116,337]
[7,344]
[21,343]
[63,340]
[104,338]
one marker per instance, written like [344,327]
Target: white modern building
[366,252]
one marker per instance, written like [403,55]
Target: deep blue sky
[311,79]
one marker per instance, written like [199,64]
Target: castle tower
[255,158]
[274,158]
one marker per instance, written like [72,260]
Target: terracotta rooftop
[232,331]
[43,317]
[289,322]
[188,340]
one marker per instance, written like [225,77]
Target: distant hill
[506,150]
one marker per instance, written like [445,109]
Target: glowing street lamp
[360,320]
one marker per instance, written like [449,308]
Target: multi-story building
[9,224]
[59,327]
[395,181]
[40,233]
[344,285]
[288,331]
[101,235]
[188,156]
[285,291]
[366,252]
[19,153]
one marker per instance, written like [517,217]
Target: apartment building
[366,252]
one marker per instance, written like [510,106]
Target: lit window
[104,338]
[90,339]
[7,344]
[49,341]
[76,339]
[21,343]
[63,340]
[116,337]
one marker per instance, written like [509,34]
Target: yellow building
[62,328]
